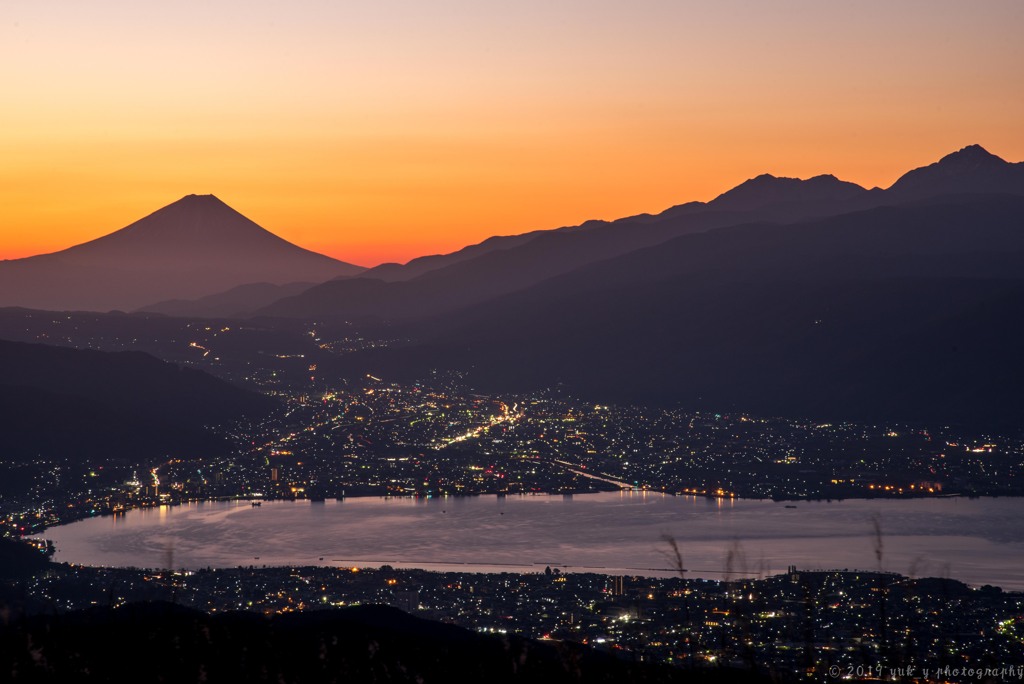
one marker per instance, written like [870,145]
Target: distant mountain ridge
[970,169]
[444,283]
[194,247]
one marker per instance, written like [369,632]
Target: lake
[978,541]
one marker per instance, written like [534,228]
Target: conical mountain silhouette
[190,248]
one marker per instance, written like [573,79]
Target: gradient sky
[381,131]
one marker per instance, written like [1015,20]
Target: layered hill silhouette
[505,265]
[76,405]
[194,247]
[912,312]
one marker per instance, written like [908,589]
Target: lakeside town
[379,438]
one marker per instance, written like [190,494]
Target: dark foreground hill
[75,405]
[160,642]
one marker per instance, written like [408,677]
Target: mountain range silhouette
[198,248]
[509,265]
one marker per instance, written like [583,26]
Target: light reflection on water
[978,541]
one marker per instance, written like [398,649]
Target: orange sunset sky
[380,131]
